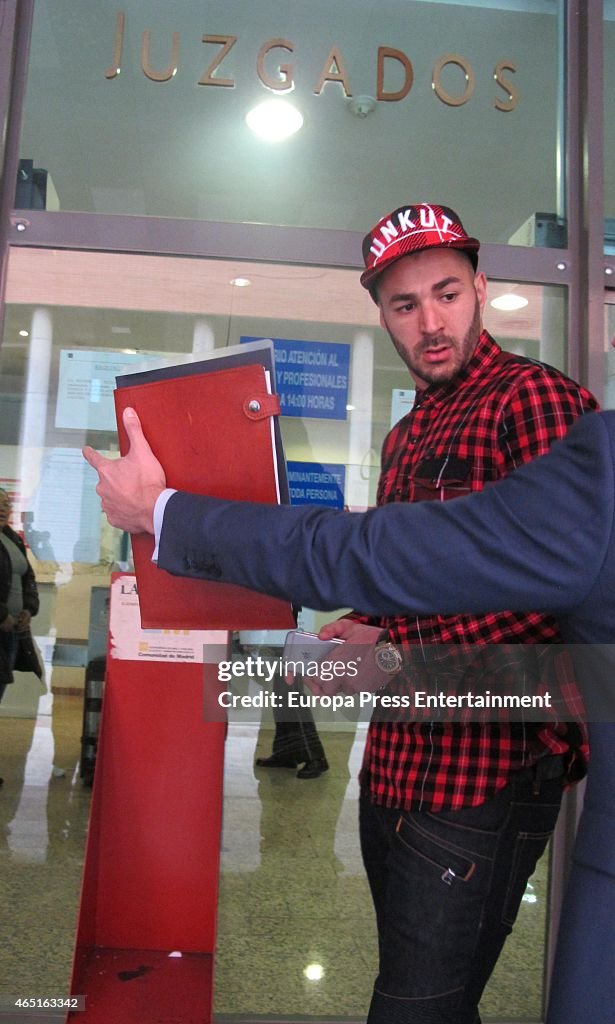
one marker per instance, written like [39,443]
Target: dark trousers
[295,730]
[8,647]
[446,888]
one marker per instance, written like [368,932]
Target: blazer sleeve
[537,539]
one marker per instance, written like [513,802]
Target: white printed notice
[65,521]
[87,382]
[129,642]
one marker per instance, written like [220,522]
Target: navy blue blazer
[540,539]
[543,538]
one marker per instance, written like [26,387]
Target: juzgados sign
[278,74]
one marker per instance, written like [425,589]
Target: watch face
[388,658]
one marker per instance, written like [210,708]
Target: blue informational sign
[311,377]
[312,483]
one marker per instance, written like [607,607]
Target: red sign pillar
[147,921]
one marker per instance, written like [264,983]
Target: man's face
[431,304]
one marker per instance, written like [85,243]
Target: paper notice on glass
[129,642]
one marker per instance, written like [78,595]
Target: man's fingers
[132,424]
[95,459]
[341,628]
[330,630]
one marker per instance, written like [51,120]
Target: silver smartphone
[303,646]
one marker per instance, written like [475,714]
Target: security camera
[361,106]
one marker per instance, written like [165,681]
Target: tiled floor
[296,932]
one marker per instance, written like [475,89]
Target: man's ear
[382,320]
[480,284]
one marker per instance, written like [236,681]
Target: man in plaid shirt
[454,816]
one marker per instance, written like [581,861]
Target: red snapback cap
[411,229]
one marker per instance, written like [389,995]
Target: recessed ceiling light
[241,282]
[509,302]
[120,330]
[24,334]
[274,120]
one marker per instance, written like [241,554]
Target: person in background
[296,743]
[18,602]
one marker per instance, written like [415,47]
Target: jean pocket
[437,890]
[454,858]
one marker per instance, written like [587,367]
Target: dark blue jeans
[446,888]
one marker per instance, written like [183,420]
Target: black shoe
[276,761]
[312,769]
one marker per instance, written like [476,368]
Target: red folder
[212,433]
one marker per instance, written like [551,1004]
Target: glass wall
[294,903]
[139,108]
[98,316]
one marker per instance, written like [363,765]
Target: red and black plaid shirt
[499,412]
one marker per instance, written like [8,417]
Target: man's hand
[8,625]
[128,487]
[357,652]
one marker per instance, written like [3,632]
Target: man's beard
[442,374]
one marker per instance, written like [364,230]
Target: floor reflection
[296,931]
[43,821]
[27,835]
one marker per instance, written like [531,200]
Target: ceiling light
[24,334]
[509,302]
[274,120]
[241,282]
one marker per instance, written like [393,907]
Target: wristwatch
[387,657]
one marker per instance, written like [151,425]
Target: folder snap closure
[259,407]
